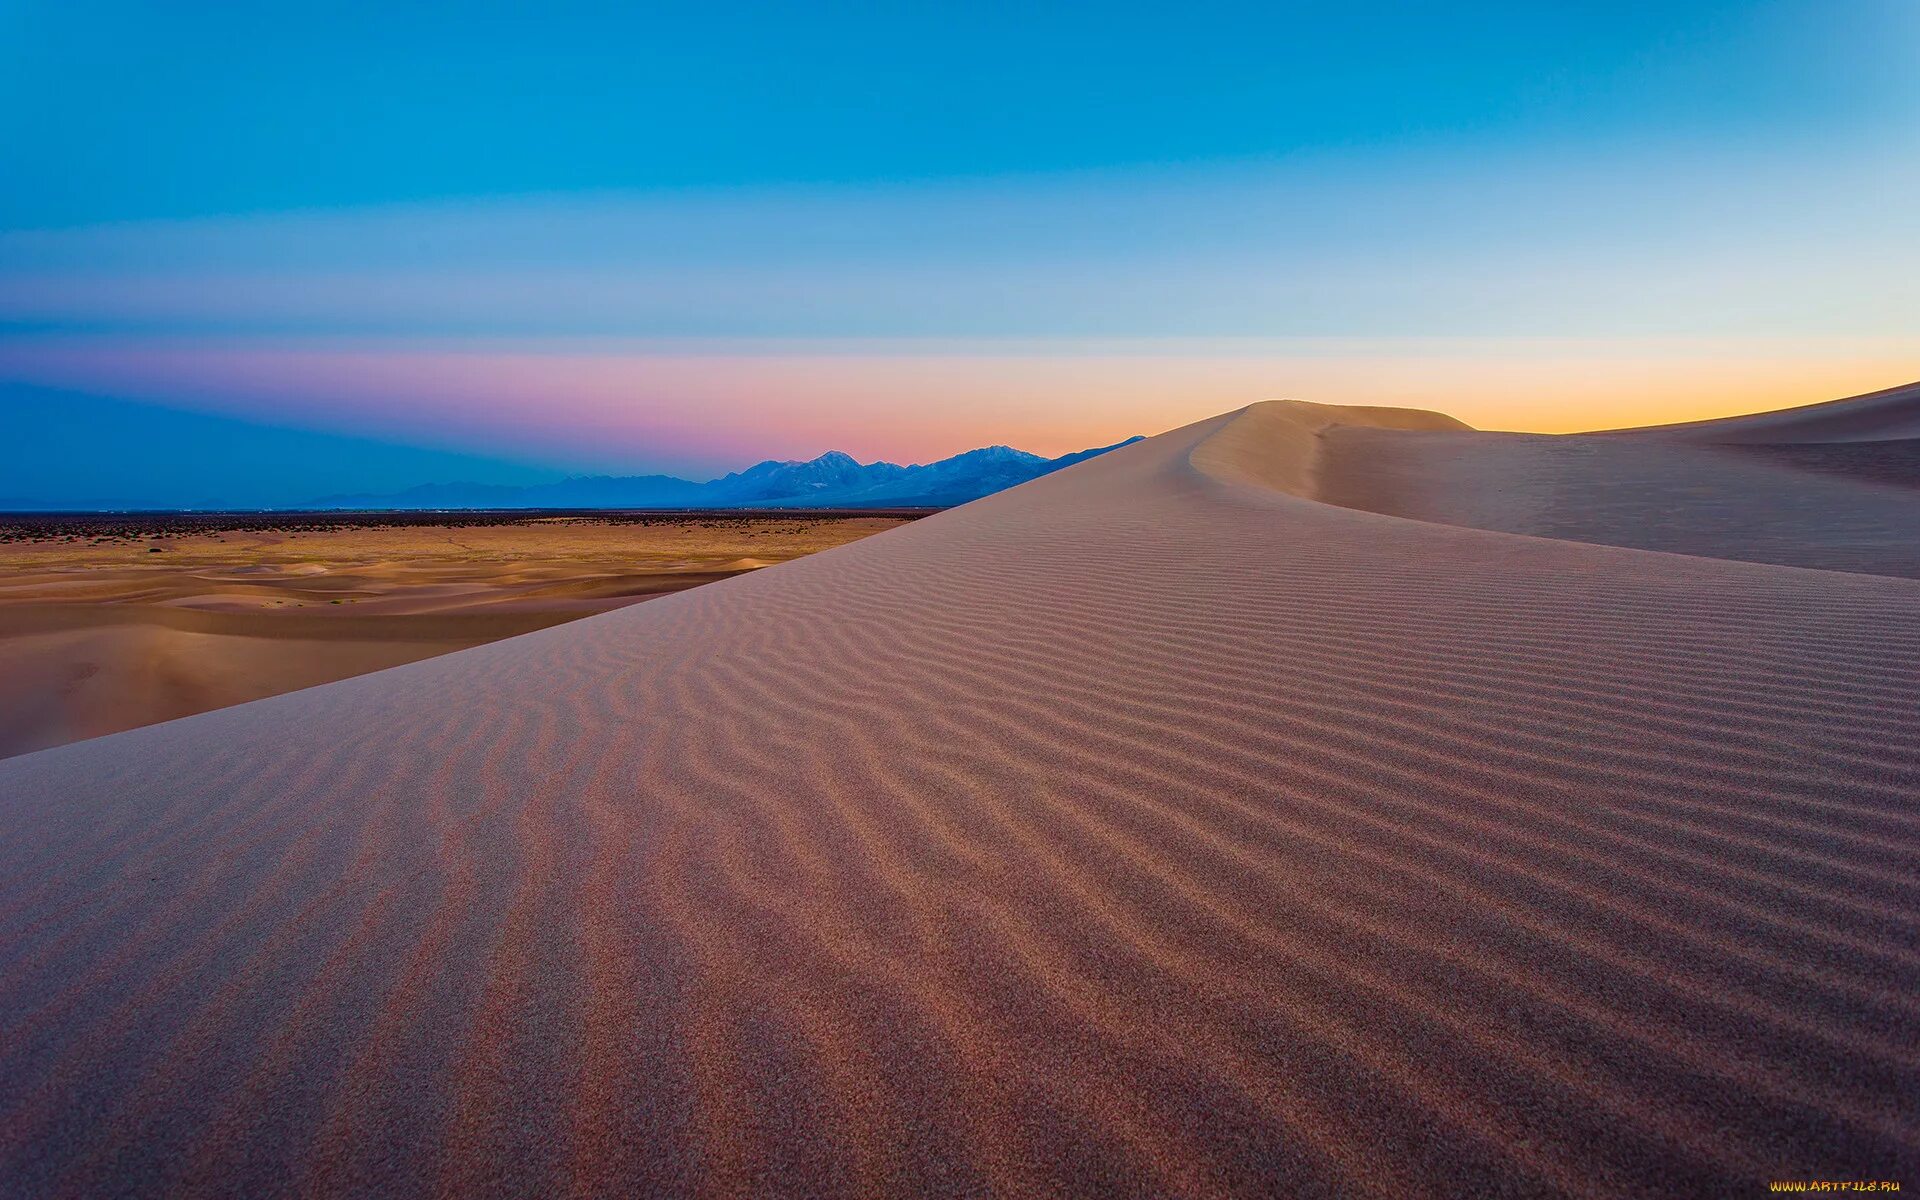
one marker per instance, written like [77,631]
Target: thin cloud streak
[1775,242]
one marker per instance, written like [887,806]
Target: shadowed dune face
[1832,486]
[1147,829]
[60,683]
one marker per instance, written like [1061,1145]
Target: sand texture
[1155,828]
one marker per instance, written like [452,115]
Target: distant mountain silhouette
[834,480]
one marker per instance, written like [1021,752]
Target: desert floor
[1306,802]
[108,623]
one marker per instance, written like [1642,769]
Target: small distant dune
[84,680]
[288,569]
[1305,802]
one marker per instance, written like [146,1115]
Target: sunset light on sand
[943,600]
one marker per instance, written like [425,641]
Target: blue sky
[127,110]
[499,239]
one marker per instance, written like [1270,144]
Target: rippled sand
[1154,828]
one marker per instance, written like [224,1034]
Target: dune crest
[1147,829]
[1276,444]
[1889,414]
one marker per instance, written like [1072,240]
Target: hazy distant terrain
[834,480]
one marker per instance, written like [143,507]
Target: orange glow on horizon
[915,404]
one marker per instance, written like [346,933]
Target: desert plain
[111,621]
[1309,801]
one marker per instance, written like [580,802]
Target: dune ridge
[1832,486]
[1148,829]
[1277,444]
[1888,414]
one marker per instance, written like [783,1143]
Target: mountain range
[833,480]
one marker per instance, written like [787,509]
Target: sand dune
[1845,496]
[1893,413]
[1154,828]
[69,680]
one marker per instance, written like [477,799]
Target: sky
[258,253]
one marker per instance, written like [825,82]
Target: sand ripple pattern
[1145,830]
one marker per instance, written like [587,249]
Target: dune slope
[1153,828]
[1832,486]
[1892,413]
